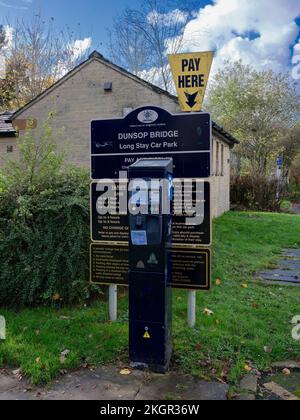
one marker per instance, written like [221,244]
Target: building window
[222,160]
[10,149]
[218,159]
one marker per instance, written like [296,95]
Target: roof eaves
[225,136]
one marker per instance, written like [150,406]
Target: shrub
[44,242]
[44,229]
[257,192]
[294,191]
[3,183]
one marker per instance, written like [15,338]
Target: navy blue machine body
[150,271]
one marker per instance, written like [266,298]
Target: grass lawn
[248,316]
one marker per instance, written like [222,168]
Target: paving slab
[281,392]
[249,383]
[289,382]
[106,383]
[186,388]
[280,283]
[289,276]
[7,382]
[290,264]
[293,253]
[246,397]
[287,364]
[289,272]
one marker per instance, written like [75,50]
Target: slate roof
[6,128]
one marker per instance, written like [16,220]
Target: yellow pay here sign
[191,73]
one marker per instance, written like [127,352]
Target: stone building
[99,89]
[8,140]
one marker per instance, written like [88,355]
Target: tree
[141,39]
[38,55]
[40,160]
[260,108]
[2,37]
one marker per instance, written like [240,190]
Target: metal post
[192,309]
[113,302]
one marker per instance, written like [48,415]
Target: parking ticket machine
[150,270]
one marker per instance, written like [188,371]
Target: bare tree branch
[141,39]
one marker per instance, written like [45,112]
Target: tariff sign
[191,269]
[114,226]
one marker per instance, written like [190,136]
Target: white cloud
[80,46]
[6,50]
[258,32]
[77,49]
[2,67]
[174,17]
[297,48]
[13,5]
[296,62]
[9,36]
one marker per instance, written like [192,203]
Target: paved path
[289,271]
[106,383]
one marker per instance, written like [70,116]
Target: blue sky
[94,16]
[263,33]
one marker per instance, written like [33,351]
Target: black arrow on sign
[191,99]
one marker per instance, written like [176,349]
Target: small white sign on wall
[2,328]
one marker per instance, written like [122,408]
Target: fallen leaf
[218,282]
[244,286]
[56,297]
[208,312]
[248,368]
[37,360]
[126,371]
[37,332]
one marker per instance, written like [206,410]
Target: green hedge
[44,242]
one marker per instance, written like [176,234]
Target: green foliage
[257,192]
[43,333]
[44,234]
[294,193]
[245,320]
[260,108]
[40,161]
[3,183]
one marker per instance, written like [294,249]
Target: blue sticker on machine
[139,237]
